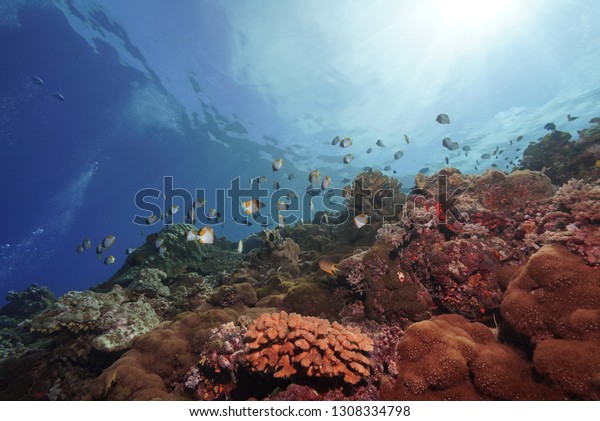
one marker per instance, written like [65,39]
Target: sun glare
[482,12]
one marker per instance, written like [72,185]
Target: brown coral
[448,357]
[287,344]
[554,302]
[555,295]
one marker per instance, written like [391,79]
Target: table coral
[288,344]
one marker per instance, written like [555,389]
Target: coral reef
[289,344]
[562,159]
[555,295]
[181,256]
[391,292]
[450,358]
[376,195]
[156,366]
[109,318]
[512,258]
[554,303]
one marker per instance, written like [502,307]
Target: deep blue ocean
[207,91]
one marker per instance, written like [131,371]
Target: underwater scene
[300,200]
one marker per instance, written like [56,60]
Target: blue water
[206,91]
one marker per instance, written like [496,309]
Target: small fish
[494,166]
[38,81]
[519,138]
[58,96]
[325,183]
[79,249]
[346,180]
[571,118]
[162,250]
[276,185]
[108,241]
[282,206]
[443,119]
[207,236]
[130,250]
[361,220]
[486,156]
[213,214]
[313,177]
[240,248]
[348,158]
[151,219]
[260,180]
[398,155]
[387,168]
[173,210]
[369,150]
[191,215]
[291,176]
[335,140]
[394,171]
[199,203]
[380,143]
[517,150]
[292,195]
[277,164]
[500,152]
[327,266]
[449,144]
[550,126]
[325,218]
[86,243]
[406,139]
[159,242]
[191,235]
[109,260]
[447,161]
[476,168]
[346,142]
[99,249]
[424,170]
[252,206]
[510,142]
[368,169]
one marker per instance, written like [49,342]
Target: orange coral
[286,344]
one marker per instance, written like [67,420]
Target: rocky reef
[467,287]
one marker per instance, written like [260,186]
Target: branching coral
[287,344]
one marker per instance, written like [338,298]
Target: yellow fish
[327,266]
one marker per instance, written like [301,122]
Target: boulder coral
[290,344]
[156,366]
[553,302]
[555,295]
[450,358]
